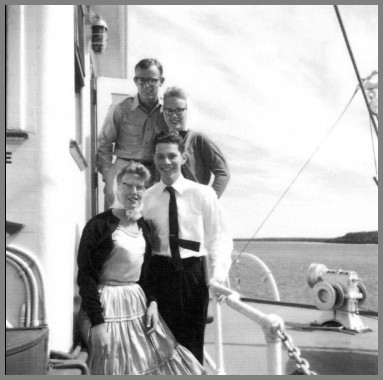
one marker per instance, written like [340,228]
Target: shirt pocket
[132,129]
[131,137]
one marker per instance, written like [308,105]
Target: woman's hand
[100,339]
[152,317]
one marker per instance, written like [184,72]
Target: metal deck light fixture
[99,35]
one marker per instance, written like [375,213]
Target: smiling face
[168,160]
[130,191]
[148,92]
[175,113]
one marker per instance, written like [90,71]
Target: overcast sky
[267,83]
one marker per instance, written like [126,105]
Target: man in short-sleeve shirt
[130,126]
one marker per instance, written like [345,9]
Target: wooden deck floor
[328,352]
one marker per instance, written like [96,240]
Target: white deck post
[271,324]
[220,369]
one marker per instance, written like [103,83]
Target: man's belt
[169,260]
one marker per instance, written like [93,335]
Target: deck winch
[338,294]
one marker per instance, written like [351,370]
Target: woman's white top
[124,263]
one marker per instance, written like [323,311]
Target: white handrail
[34,289]
[25,317]
[267,271]
[32,260]
[270,324]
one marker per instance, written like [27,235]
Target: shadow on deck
[339,362]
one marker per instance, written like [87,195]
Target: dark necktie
[173,229]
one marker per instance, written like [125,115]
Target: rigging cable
[299,173]
[373,150]
[372,120]
[355,68]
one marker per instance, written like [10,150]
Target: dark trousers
[183,300]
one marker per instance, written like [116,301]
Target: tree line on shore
[369,237]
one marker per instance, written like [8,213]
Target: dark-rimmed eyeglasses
[177,111]
[130,187]
[149,81]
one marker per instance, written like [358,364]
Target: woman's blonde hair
[132,167]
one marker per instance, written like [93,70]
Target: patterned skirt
[133,352]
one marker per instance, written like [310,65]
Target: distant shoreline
[370,237]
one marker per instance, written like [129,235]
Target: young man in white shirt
[178,246]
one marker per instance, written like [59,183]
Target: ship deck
[329,352]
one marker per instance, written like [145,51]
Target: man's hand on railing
[220,297]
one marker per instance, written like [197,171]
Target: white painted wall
[45,189]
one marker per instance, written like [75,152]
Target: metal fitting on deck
[271,325]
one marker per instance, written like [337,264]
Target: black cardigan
[95,245]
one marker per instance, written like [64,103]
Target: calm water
[289,262]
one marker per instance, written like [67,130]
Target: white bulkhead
[46,190]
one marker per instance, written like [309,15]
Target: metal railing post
[271,324]
[220,369]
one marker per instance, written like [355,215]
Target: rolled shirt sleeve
[106,139]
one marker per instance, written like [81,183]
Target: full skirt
[133,352]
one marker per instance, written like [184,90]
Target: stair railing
[33,263]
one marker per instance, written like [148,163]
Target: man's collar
[178,185]
[137,103]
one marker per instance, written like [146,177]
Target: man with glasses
[203,157]
[130,126]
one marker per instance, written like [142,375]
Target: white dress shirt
[200,220]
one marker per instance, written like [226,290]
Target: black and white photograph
[191,189]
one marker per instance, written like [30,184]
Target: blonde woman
[119,319]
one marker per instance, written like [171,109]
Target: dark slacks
[183,300]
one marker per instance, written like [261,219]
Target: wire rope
[355,67]
[297,175]
[373,150]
